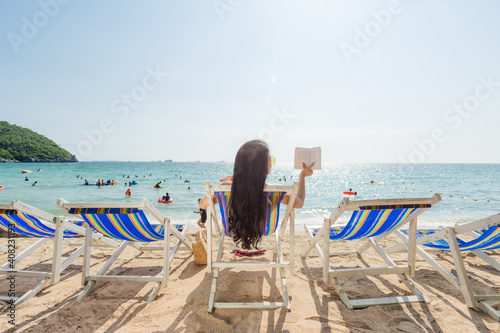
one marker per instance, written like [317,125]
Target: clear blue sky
[365,80]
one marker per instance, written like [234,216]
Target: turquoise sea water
[460,185]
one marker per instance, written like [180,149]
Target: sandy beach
[125,115]
[182,305]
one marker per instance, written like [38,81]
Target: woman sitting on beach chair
[246,206]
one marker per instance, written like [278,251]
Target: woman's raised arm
[301,192]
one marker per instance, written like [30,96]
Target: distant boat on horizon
[196,161]
[168,161]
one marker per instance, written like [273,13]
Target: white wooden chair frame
[403,272]
[59,224]
[161,280]
[215,266]
[461,281]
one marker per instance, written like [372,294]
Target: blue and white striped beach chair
[482,235]
[274,226]
[128,223]
[21,219]
[371,220]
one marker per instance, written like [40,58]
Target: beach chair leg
[209,239]
[489,310]
[40,285]
[211,299]
[465,286]
[286,297]
[492,262]
[326,256]
[86,291]
[279,253]
[166,257]
[154,292]
[86,254]
[343,296]
[412,246]
[56,260]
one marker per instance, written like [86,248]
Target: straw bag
[200,248]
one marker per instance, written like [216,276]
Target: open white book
[307,156]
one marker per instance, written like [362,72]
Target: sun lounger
[22,219]
[273,227]
[129,224]
[483,235]
[371,221]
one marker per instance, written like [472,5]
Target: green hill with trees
[19,144]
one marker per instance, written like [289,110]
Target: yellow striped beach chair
[475,237]
[370,221]
[129,224]
[274,226]
[21,219]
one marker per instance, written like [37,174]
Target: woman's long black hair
[246,204]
